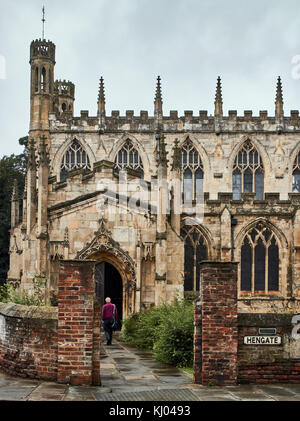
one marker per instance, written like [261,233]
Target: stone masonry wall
[28,341]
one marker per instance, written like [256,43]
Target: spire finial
[43,20]
[176,156]
[101,98]
[43,153]
[218,99]
[279,99]
[158,99]
[31,162]
[161,153]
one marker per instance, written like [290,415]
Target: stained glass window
[192,170]
[128,157]
[74,158]
[296,175]
[195,251]
[248,173]
[260,261]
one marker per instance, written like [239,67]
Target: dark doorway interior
[109,284]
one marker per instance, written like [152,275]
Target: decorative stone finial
[101,98]
[218,99]
[161,153]
[279,99]
[31,162]
[176,156]
[158,99]
[43,153]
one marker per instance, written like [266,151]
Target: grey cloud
[188,42]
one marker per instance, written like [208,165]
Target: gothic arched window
[36,79]
[296,175]
[192,171]
[248,173]
[43,81]
[195,250]
[74,158]
[260,261]
[128,157]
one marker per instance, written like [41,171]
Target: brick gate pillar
[78,324]
[216,328]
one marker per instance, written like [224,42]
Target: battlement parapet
[271,205]
[189,122]
[64,88]
[40,48]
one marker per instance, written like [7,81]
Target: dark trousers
[107,326]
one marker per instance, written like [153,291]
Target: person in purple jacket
[109,315]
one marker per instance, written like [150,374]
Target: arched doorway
[109,284]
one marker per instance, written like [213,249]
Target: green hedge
[166,330]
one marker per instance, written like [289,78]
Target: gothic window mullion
[266,269]
[74,157]
[260,252]
[190,164]
[253,269]
[128,157]
[195,269]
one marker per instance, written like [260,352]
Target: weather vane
[43,20]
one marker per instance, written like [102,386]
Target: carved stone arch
[283,252]
[260,149]
[292,157]
[104,247]
[200,148]
[280,236]
[59,154]
[204,231]
[139,147]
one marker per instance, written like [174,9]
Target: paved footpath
[128,374]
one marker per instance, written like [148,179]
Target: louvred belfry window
[128,157]
[296,175]
[195,250]
[75,158]
[260,261]
[192,171]
[248,173]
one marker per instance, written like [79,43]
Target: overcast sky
[189,43]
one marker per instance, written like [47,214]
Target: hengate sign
[262,340]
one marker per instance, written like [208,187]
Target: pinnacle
[279,96]
[218,99]
[101,95]
[219,91]
[158,95]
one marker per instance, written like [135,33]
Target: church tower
[42,62]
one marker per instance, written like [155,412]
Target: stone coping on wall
[265,319]
[28,312]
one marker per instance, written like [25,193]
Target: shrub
[9,294]
[167,330]
[174,345]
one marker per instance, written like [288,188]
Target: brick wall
[28,341]
[78,324]
[268,363]
[216,331]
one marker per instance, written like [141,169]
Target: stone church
[123,191]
